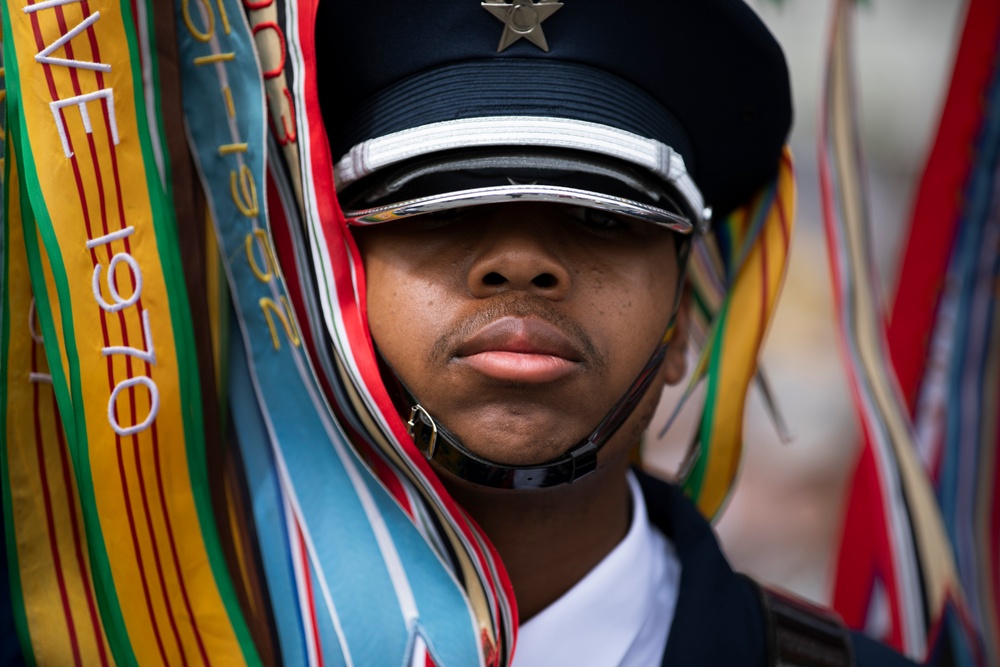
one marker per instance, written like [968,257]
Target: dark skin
[519,326]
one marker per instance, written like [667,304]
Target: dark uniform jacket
[719,619]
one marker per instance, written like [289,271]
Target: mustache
[520,307]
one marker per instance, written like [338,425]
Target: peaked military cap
[659,109]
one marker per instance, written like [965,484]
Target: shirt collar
[597,621]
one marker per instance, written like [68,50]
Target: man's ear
[675,363]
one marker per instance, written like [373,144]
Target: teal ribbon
[377,583]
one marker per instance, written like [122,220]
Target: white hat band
[543,132]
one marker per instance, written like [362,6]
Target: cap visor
[471,178]
[552,194]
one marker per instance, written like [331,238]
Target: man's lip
[520,335]
[522,350]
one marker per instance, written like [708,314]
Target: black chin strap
[440,445]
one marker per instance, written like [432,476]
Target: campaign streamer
[371,572]
[126,389]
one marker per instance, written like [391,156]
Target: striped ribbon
[952,377]
[381,594]
[736,275]
[107,276]
[966,484]
[911,571]
[9,648]
[46,543]
[315,247]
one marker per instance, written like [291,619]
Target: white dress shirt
[616,616]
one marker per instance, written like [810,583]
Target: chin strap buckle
[583,460]
[422,428]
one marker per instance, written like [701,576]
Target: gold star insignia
[522,18]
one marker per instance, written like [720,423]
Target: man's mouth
[516,349]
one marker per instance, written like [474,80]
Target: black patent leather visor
[476,177]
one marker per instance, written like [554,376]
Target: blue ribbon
[378,582]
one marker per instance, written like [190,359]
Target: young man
[524,180]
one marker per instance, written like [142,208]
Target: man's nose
[523,256]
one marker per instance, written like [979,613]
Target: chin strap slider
[583,460]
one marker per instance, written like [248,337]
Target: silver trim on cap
[520,193]
[531,131]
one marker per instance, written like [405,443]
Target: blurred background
[783,520]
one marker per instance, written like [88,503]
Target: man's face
[519,326]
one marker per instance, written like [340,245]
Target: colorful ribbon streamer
[364,556]
[329,293]
[110,298]
[947,286]
[736,275]
[904,564]
[943,337]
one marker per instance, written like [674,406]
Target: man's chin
[507,448]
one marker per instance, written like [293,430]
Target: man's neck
[550,539]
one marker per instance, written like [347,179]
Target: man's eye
[435,219]
[448,213]
[597,219]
